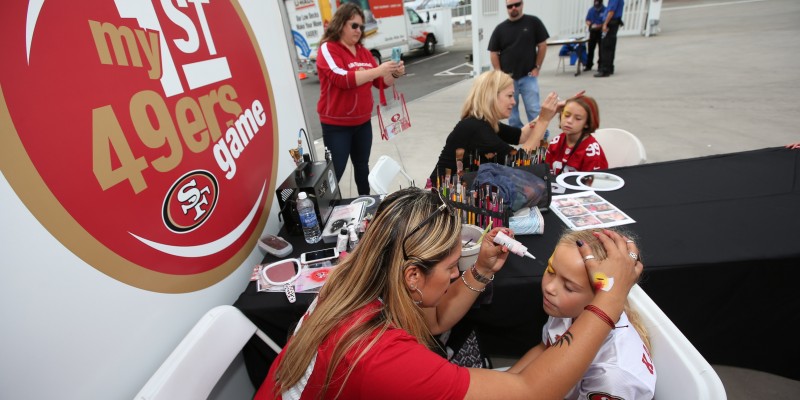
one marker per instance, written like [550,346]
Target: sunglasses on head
[356,25]
[512,5]
[441,209]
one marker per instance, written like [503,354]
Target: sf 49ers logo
[190,201]
[141,134]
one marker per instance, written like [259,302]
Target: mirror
[597,181]
[571,181]
[281,272]
[602,181]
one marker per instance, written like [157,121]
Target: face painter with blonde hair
[369,333]
[623,368]
[480,135]
[576,149]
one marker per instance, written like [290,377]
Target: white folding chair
[384,174]
[621,147]
[192,370]
[682,371]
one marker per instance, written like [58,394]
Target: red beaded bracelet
[600,314]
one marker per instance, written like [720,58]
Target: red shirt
[396,367]
[341,102]
[588,156]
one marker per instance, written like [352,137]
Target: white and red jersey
[622,368]
[588,156]
[341,102]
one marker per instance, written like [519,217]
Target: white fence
[462,14]
[572,18]
[563,19]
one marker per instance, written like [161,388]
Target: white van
[389,24]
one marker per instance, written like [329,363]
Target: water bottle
[396,54]
[308,218]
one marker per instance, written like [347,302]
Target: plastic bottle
[353,238]
[513,245]
[341,240]
[308,218]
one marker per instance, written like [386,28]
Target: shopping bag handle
[382,95]
[381,85]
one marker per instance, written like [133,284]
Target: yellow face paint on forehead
[550,269]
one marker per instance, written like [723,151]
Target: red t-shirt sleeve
[401,368]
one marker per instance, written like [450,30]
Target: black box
[318,180]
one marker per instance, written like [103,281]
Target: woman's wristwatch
[480,278]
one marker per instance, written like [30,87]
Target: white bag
[393,114]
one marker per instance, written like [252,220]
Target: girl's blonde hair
[588,239]
[375,270]
[481,102]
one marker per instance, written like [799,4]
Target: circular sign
[142,135]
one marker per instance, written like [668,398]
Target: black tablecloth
[719,240]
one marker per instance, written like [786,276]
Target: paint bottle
[351,245]
[341,240]
[513,245]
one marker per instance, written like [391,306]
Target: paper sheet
[585,210]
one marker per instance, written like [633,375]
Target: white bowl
[469,254]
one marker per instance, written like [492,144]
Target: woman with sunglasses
[369,334]
[346,69]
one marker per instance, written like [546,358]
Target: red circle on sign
[108,114]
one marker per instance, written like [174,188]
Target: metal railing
[572,14]
[573,18]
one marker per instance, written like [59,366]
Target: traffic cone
[302,75]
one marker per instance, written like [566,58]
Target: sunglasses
[442,208]
[356,25]
[512,5]
[282,273]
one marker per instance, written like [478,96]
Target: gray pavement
[721,76]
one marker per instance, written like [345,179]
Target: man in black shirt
[518,46]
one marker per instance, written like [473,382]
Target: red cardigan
[341,102]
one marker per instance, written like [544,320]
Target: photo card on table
[585,210]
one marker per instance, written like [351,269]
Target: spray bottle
[513,245]
[351,245]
